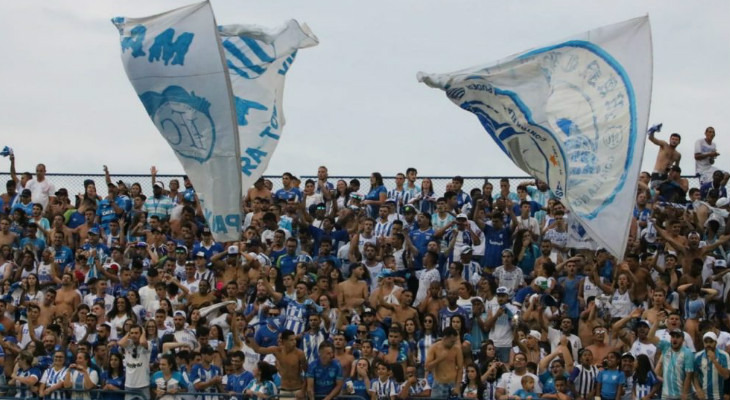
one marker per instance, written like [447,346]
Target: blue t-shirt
[610,381]
[359,388]
[238,382]
[496,240]
[117,381]
[523,394]
[266,337]
[374,194]
[287,264]
[63,257]
[285,195]
[325,376]
[420,240]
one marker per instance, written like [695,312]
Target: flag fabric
[572,114]
[175,63]
[258,60]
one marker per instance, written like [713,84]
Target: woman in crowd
[112,379]
[168,382]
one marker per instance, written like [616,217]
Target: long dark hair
[378,181]
[480,385]
[643,368]
[119,370]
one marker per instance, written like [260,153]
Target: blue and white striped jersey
[383,390]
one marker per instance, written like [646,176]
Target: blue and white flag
[258,61]
[175,62]
[572,114]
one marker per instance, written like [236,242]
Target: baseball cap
[62,192]
[159,185]
[720,263]
[367,310]
[477,298]
[537,335]
[232,250]
[25,193]
[408,209]
[644,322]
[722,202]
[180,313]
[462,216]
[181,248]
[676,332]
[205,230]
[200,254]
[628,355]
[94,231]
[390,200]
[114,266]
[502,290]
[710,335]
[253,242]
[466,249]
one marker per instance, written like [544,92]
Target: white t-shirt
[701,166]
[425,277]
[137,369]
[40,191]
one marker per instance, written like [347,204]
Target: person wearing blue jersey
[462,198]
[23,203]
[288,191]
[206,377]
[325,376]
[610,381]
[24,376]
[62,255]
[497,238]
[287,262]
[81,377]
[298,310]
[711,369]
[376,196]
[168,381]
[677,365]
[109,209]
[239,378]
[32,240]
[420,237]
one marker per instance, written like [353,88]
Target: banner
[174,60]
[572,114]
[258,61]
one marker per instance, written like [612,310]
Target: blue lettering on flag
[287,63]
[165,47]
[134,41]
[246,165]
[242,108]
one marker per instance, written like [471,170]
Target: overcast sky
[351,103]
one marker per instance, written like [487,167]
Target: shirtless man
[291,362]
[346,360]
[405,310]
[385,297]
[67,298]
[445,361]
[6,237]
[353,292]
[259,190]
[48,309]
[667,156]
[692,250]
[599,348]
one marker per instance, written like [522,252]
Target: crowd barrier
[74,182]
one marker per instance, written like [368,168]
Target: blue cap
[94,231]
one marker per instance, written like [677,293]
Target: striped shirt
[383,390]
[310,345]
[711,381]
[584,379]
[424,344]
[675,366]
[643,389]
[297,313]
[52,377]
[161,207]
[266,387]
[382,229]
[23,390]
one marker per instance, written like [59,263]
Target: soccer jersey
[52,377]
[710,380]
[325,376]
[297,313]
[383,390]
[675,366]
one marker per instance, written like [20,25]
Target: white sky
[351,103]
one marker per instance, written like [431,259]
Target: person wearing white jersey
[705,155]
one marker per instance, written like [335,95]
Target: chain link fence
[74,183]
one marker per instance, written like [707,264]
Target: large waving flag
[175,62]
[258,61]
[572,114]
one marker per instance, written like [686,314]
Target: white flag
[174,60]
[572,114]
[258,61]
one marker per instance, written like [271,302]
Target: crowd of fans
[354,289]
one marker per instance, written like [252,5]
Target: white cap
[232,249]
[462,215]
[710,335]
[722,202]
[536,334]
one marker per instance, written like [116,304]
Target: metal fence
[74,182]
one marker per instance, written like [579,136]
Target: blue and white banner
[258,61]
[175,62]
[572,114]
